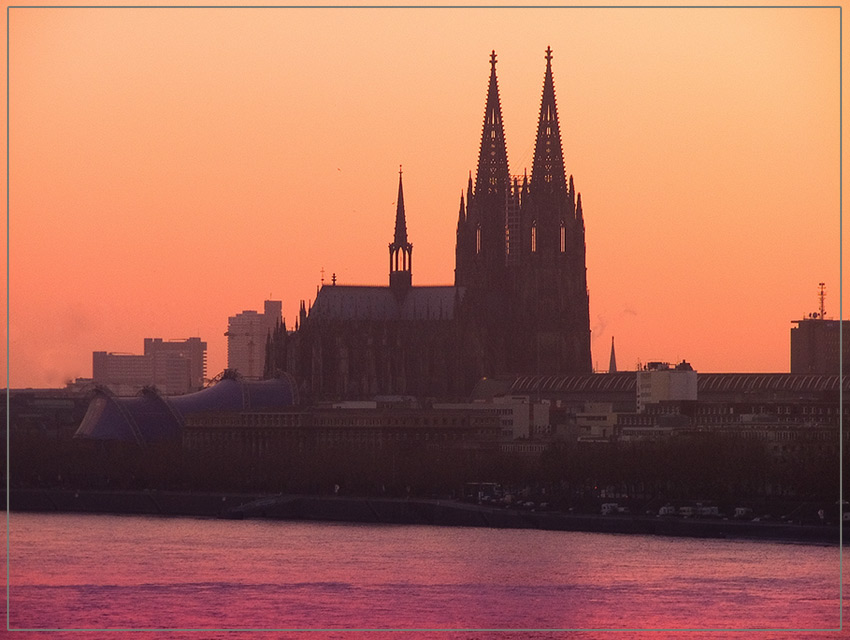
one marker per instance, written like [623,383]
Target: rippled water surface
[134,572]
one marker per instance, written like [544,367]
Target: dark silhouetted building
[520,251]
[816,346]
[519,303]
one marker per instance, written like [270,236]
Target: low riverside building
[659,382]
[596,422]
[782,441]
[519,416]
[788,412]
[260,433]
[49,413]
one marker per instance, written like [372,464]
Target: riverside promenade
[399,511]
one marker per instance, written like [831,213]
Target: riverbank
[399,511]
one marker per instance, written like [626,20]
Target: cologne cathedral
[519,303]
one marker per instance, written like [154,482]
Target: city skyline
[264,145]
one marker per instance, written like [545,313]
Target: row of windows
[258,440]
[770,409]
[297,420]
[563,239]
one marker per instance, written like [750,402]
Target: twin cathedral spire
[520,274]
[504,220]
[520,253]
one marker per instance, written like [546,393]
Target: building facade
[659,382]
[519,303]
[173,367]
[192,349]
[790,412]
[247,337]
[816,346]
[306,430]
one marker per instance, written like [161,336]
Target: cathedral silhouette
[519,303]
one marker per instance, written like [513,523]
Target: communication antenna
[821,296]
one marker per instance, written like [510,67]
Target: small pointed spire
[400,237]
[469,189]
[579,215]
[461,217]
[612,365]
[401,251]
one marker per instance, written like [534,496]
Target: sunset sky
[171,167]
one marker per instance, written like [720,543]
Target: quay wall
[397,511]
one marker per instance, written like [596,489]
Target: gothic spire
[400,237]
[401,251]
[612,365]
[493,175]
[547,171]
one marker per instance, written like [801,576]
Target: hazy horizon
[170,168]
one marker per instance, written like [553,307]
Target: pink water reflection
[87,571]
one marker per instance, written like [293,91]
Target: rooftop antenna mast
[821,296]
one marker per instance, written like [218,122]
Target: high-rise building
[816,346]
[192,349]
[247,335]
[123,373]
[816,342]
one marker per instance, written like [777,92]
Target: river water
[137,572]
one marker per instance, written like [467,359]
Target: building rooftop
[351,302]
[625,382]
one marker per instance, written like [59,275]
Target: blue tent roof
[151,417]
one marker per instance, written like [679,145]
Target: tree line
[701,466]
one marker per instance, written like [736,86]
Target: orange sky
[172,167]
